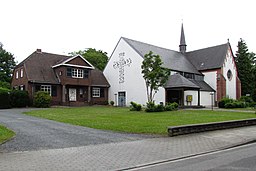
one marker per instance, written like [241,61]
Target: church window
[229,75]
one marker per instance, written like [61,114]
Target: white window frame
[95,92]
[17,74]
[46,88]
[77,73]
[21,73]
[22,87]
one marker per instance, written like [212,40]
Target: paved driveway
[35,134]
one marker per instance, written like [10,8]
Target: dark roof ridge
[147,44]
[208,47]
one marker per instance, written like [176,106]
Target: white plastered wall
[229,64]
[133,83]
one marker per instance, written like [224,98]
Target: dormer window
[77,73]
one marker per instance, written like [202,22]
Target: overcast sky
[63,26]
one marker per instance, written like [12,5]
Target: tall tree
[7,64]
[154,74]
[97,58]
[245,65]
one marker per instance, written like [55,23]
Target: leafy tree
[245,62]
[97,58]
[154,74]
[7,65]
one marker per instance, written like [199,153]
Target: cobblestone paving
[123,155]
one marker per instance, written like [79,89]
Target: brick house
[69,80]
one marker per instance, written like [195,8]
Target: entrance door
[72,94]
[121,99]
[174,96]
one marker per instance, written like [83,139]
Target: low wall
[195,128]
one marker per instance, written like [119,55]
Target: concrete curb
[195,128]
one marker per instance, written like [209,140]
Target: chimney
[39,50]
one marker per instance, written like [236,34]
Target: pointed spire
[182,41]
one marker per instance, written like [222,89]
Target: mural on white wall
[121,64]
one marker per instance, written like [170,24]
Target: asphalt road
[239,158]
[35,133]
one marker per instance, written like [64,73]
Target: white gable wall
[229,64]
[129,78]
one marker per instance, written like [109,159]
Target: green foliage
[224,101]
[171,106]
[112,103]
[5,84]
[245,62]
[42,99]
[4,98]
[154,74]
[97,58]
[235,104]
[152,107]
[19,98]
[135,107]
[7,64]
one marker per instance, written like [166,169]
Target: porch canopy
[180,83]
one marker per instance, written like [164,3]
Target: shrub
[171,106]
[42,99]
[235,104]
[224,101]
[150,107]
[135,107]
[246,99]
[159,108]
[19,98]
[4,98]
[112,103]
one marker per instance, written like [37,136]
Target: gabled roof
[178,81]
[38,67]
[208,58]
[65,62]
[171,59]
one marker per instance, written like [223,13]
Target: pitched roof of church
[208,58]
[171,59]
[178,81]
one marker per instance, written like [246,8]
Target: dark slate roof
[203,85]
[173,60]
[178,81]
[208,58]
[98,79]
[39,67]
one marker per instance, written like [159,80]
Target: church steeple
[182,41]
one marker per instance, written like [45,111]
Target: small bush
[224,101]
[150,107]
[171,106]
[135,107]
[19,98]
[4,98]
[42,99]
[112,103]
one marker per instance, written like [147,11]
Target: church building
[198,78]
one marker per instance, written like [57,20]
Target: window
[77,73]
[96,92]
[21,73]
[22,87]
[46,88]
[229,75]
[86,73]
[17,74]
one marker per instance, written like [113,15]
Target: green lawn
[5,134]
[123,120]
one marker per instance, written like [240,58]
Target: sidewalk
[124,155]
